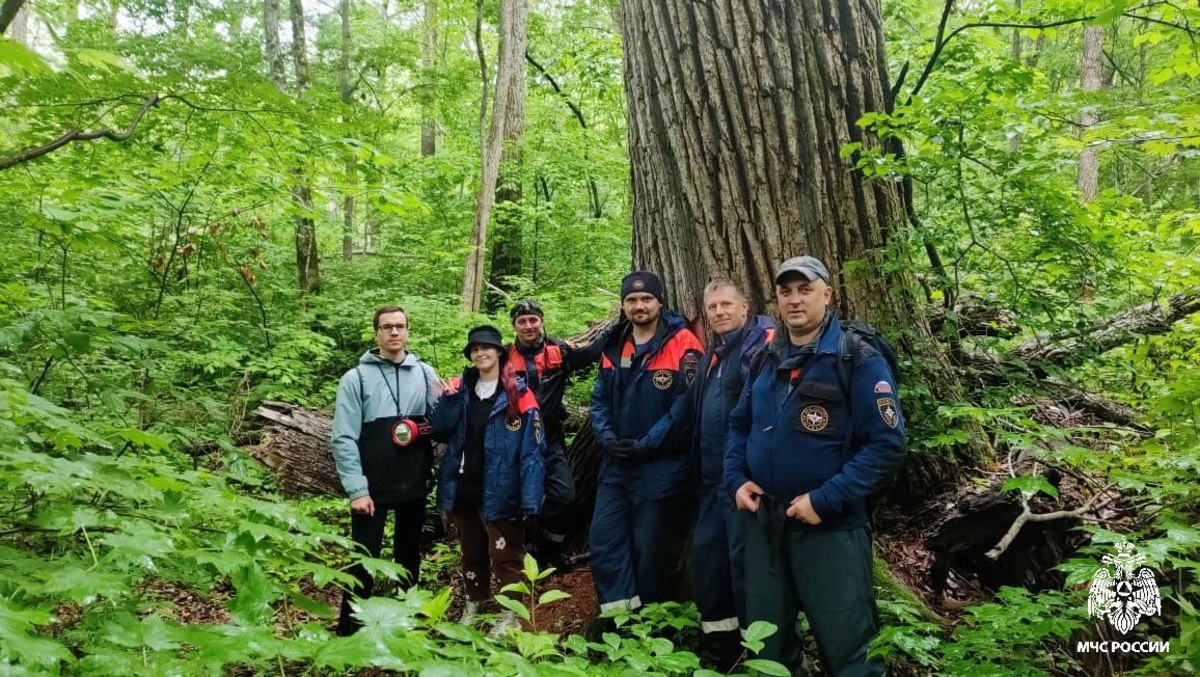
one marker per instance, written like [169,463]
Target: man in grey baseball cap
[808,267]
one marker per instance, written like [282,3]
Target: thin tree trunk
[507,240]
[510,78]
[1014,138]
[347,94]
[307,266]
[738,114]
[271,44]
[429,53]
[1091,80]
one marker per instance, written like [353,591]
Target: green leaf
[552,596]
[78,340]
[17,59]
[1030,484]
[767,667]
[760,630]
[513,606]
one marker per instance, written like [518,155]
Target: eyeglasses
[389,328]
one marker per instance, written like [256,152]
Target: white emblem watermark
[1123,593]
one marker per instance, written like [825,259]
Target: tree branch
[558,90]
[80,135]
[1027,515]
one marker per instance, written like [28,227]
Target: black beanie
[642,281]
[485,335]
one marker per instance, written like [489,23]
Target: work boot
[721,650]
[470,609]
[506,624]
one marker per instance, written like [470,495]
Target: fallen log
[295,445]
[1069,349]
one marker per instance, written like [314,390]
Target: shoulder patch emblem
[691,367]
[513,424]
[883,387]
[814,418]
[663,378]
[887,411]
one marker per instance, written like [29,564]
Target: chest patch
[663,378]
[814,418]
[887,411]
[513,424]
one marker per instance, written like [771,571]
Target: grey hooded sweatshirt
[371,398]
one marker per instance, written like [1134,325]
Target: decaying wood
[976,316]
[295,445]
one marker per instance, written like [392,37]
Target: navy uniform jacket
[719,388]
[546,368]
[512,451]
[790,430]
[642,398]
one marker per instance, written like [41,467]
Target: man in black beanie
[547,363]
[639,415]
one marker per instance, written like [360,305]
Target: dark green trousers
[825,574]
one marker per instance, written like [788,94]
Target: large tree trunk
[510,82]
[738,116]
[1091,76]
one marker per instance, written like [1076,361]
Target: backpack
[855,333]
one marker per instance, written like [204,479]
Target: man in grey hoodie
[382,449]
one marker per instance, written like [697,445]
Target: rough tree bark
[738,114]
[1091,76]
[510,82]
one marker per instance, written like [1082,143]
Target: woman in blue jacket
[491,476]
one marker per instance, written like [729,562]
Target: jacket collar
[372,356]
[831,336]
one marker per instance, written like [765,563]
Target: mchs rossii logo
[1123,593]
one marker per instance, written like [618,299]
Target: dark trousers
[825,573]
[560,492]
[718,573]
[635,545]
[367,531]
[489,548]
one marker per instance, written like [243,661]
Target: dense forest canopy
[203,203]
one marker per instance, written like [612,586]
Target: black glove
[624,450]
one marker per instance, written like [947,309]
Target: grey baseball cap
[807,266]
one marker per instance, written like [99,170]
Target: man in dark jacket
[805,452]
[640,417]
[382,450]
[718,575]
[546,364]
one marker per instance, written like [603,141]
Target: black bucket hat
[484,335]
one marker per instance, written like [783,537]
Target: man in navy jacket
[640,417]
[805,452]
[717,552]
